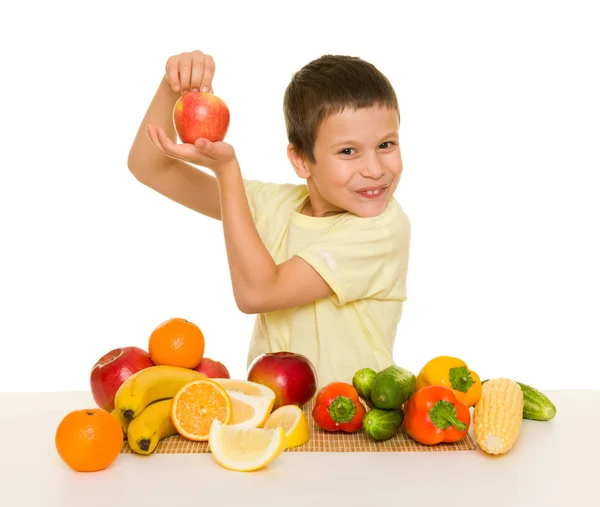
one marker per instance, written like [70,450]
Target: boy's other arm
[260,285]
[173,178]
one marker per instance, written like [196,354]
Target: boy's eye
[383,146]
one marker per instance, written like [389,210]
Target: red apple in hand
[112,370]
[291,376]
[200,115]
[212,369]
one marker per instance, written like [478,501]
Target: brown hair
[327,86]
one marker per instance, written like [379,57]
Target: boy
[322,264]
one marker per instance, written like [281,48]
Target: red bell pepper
[338,407]
[433,415]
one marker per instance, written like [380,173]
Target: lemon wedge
[293,421]
[245,449]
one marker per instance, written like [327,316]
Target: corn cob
[498,415]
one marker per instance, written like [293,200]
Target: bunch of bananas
[143,404]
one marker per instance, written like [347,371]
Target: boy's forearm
[252,267]
[142,155]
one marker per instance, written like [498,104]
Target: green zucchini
[536,405]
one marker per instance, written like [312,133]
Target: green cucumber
[536,405]
[382,424]
[392,387]
[362,382]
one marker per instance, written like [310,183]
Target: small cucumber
[362,382]
[392,387]
[536,405]
[382,424]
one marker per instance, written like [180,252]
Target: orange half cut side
[196,405]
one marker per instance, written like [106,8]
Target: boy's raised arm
[174,178]
[260,285]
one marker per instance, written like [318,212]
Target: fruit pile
[172,388]
[145,396]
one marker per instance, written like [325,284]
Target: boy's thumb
[205,145]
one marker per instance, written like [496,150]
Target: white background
[500,139]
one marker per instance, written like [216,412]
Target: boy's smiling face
[358,163]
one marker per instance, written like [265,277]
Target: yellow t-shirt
[364,260]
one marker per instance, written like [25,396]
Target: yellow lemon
[245,449]
[251,403]
[293,421]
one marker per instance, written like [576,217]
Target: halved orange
[196,405]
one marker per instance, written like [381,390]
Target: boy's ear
[300,165]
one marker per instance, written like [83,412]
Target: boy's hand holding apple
[216,156]
[201,119]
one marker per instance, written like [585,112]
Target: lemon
[293,421]
[245,449]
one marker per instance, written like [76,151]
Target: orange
[176,342]
[196,405]
[88,440]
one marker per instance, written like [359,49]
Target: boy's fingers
[169,147]
[152,134]
[174,150]
[172,72]
[206,147]
[209,72]
[185,72]
[198,70]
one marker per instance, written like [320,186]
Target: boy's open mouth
[372,192]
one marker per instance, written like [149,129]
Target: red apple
[112,370]
[212,369]
[200,115]
[291,376]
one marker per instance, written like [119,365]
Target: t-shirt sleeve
[364,260]
[259,194]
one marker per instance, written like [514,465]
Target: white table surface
[553,463]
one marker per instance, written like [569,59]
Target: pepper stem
[443,414]
[342,409]
[461,379]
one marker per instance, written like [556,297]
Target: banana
[149,385]
[118,415]
[152,425]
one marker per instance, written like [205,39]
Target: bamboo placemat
[323,441]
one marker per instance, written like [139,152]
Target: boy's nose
[373,168]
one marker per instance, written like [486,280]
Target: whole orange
[176,342]
[88,440]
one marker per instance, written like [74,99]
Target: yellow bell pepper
[453,373]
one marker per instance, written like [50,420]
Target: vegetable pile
[432,407]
